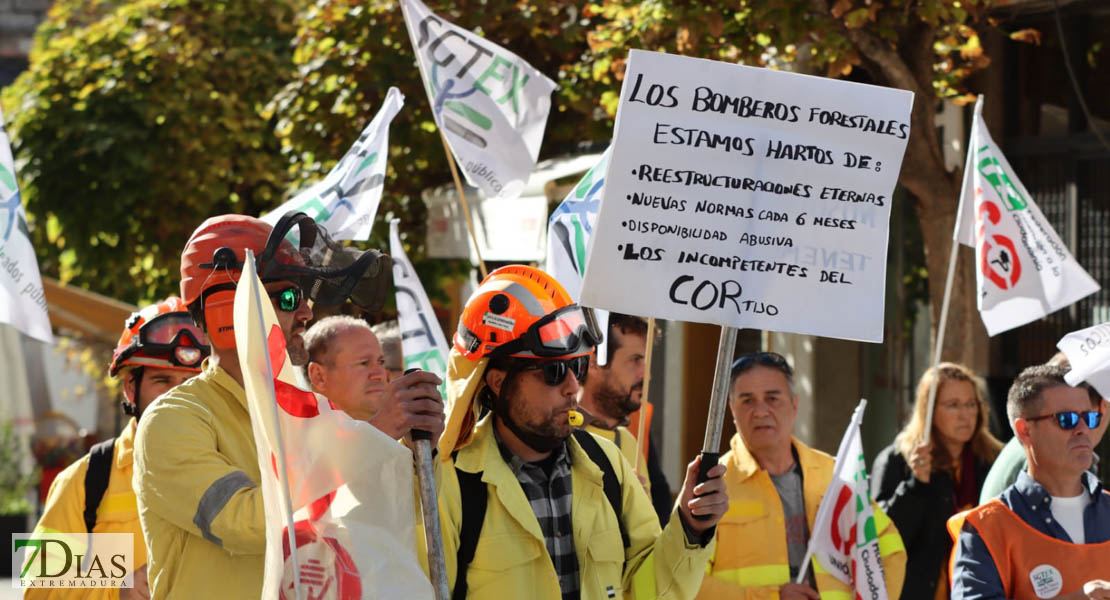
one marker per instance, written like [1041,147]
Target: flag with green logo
[22,301]
[422,341]
[346,201]
[1023,270]
[489,103]
[845,540]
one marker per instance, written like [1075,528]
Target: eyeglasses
[1069,419]
[555,371]
[288,299]
[773,360]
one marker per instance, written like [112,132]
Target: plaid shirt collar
[547,485]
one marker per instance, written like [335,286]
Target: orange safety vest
[1032,564]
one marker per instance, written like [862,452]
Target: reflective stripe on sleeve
[214,499]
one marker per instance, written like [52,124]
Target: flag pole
[252,276]
[943,322]
[641,439]
[463,202]
[711,448]
[838,466]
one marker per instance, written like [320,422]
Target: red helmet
[160,335]
[522,311]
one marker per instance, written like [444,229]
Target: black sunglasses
[288,298]
[761,359]
[1069,419]
[555,371]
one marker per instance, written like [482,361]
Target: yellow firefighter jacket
[196,478]
[751,559]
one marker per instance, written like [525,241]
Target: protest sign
[346,201]
[1023,270]
[748,197]
[22,301]
[422,341]
[489,103]
[1088,352]
[347,486]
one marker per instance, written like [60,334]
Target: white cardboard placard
[748,197]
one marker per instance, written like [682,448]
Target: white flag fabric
[422,341]
[22,301]
[1022,269]
[346,201]
[489,103]
[845,540]
[569,235]
[1088,351]
[349,486]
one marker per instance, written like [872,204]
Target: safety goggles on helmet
[1069,419]
[331,272]
[555,371]
[169,337]
[568,331]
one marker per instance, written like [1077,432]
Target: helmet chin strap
[131,407]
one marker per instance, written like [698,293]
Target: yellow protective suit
[751,558]
[196,479]
[117,512]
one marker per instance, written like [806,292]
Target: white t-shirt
[1068,512]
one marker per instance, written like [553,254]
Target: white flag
[490,104]
[1022,269]
[347,485]
[1088,351]
[570,232]
[22,301]
[346,201]
[422,339]
[845,540]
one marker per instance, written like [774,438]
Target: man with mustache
[531,507]
[614,391]
[1048,534]
[346,363]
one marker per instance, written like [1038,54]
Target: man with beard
[614,391]
[531,507]
[196,464]
[347,363]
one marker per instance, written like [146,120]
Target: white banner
[748,197]
[346,201]
[845,540]
[490,104]
[1023,270]
[347,484]
[422,339]
[1088,351]
[22,301]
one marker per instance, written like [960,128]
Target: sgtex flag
[346,201]
[348,485]
[22,302]
[1088,352]
[1022,269]
[490,104]
[845,540]
[422,340]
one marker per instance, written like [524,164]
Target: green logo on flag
[992,171]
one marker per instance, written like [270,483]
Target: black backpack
[475,494]
[96,479]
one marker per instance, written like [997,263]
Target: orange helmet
[522,311]
[160,335]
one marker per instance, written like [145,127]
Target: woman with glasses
[921,484]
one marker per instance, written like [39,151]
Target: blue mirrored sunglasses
[1069,419]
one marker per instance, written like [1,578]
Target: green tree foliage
[137,120]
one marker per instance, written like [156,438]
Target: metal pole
[711,449]
[429,506]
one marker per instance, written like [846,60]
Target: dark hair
[771,360]
[1025,393]
[628,325]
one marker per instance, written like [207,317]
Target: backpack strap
[96,479]
[474,495]
[609,481]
